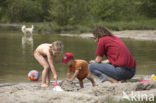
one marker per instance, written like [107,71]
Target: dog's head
[23,26]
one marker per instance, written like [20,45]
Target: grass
[85,27]
[142,24]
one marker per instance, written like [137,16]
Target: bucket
[57,87]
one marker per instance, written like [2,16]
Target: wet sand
[104,92]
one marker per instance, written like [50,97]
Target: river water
[16,54]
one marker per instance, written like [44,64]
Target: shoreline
[129,34]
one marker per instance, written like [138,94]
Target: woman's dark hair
[100,32]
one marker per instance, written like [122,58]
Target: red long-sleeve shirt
[115,51]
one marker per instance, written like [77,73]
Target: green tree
[3,10]
[45,5]
[25,10]
[114,9]
[148,8]
[68,11]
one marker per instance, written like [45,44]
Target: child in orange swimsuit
[78,67]
[43,54]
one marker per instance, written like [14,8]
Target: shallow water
[16,54]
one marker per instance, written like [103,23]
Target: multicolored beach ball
[33,75]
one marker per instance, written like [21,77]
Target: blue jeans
[105,71]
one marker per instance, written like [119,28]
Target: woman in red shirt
[119,65]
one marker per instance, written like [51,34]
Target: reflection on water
[27,43]
[16,60]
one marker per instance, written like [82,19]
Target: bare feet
[48,83]
[113,80]
[93,84]
[44,85]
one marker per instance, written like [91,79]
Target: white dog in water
[27,38]
[27,30]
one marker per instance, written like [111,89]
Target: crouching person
[78,67]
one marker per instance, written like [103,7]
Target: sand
[131,34]
[104,92]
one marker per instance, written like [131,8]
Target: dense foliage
[74,11]
[134,13]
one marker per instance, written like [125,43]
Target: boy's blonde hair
[56,46]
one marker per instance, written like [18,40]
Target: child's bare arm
[74,76]
[56,60]
[52,66]
[68,75]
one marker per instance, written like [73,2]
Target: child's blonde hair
[56,46]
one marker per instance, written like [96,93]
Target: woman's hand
[97,60]
[105,61]
[92,61]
